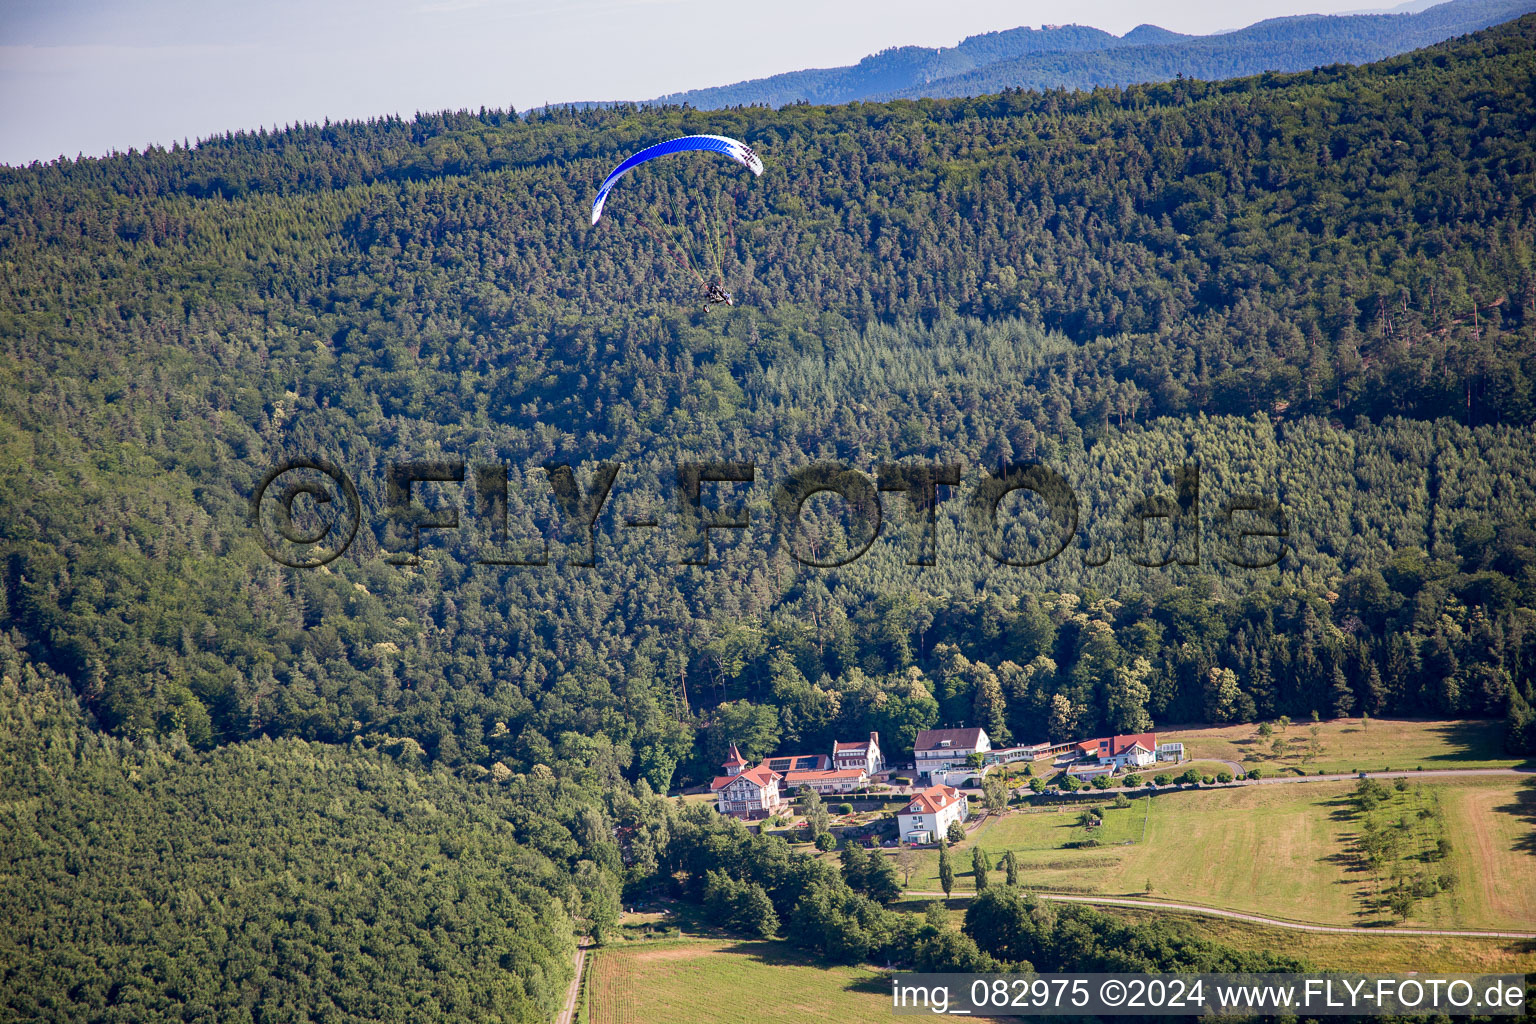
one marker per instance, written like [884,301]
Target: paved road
[1442,772]
[1195,908]
[568,1014]
[1284,779]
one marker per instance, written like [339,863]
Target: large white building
[747,793]
[863,755]
[947,748]
[927,817]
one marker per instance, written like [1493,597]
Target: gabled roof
[935,739]
[759,777]
[934,798]
[1114,746]
[856,746]
[734,759]
[826,775]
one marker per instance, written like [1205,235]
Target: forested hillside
[1079,57]
[1318,286]
[277,880]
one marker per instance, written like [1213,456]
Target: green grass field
[1283,851]
[726,981]
[1348,744]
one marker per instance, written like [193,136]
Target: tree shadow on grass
[1524,808]
[1342,808]
[1471,741]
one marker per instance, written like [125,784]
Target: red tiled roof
[734,758]
[855,745]
[759,777]
[827,775]
[1114,746]
[934,798]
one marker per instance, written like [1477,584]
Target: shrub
[1102,782]
[1037,785]
[956,832]
[825,842]
[1223,777]
[843,808]
[1401,785]
[1255,773]
[1189,778]
[1133,780]
[1121,801]
[1163,780]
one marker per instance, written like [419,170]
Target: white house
[861,754]
[1084,772]
[927,817]
[947,748]
[1170,752]
[747,793]
[1136,751]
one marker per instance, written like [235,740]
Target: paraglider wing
[733,148]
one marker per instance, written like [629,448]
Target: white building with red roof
[1136,751]
[829,780]
[861,754]
[747,793]
[927,817]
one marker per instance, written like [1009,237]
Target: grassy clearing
[726,981]
[1282,851]
[1349,744]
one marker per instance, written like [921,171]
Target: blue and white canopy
[733,148]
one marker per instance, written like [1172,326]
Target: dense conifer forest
[1318,286]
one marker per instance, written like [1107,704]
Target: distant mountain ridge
[1078,56]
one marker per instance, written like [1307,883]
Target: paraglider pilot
[715,295]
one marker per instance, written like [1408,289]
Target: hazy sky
[95,75]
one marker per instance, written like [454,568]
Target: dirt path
[1195,908]
[568,1014]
